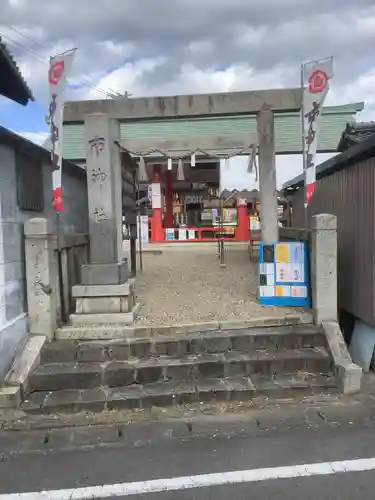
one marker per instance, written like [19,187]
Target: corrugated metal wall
[287,130]
[350,195]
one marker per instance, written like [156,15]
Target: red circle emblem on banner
[317,81]
[55,73]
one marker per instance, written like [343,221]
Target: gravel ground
[186,285]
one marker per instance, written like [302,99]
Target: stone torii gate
[107,293]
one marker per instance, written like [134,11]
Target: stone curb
[94,332]
[17,377]
[349,375]
[118,331]
[137,428]
[150,251]
[266,321]
[268,414]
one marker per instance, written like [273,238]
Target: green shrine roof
[287,129]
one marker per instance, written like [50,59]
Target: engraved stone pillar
[103,162]
[106,295]
[41,277]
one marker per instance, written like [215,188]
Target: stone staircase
[225,365]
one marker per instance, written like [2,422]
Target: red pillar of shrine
[157,231]
[242,230]
[168,220]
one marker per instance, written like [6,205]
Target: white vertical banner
[59,69]
[315,78]
[155,195]
[142,230]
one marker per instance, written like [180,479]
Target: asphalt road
[86,457]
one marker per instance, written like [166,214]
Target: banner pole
[222,259]
[303,146]
[140,245]
[57,213]
[63,306]
[55,73]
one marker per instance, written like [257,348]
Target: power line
[36,42]
[34,55]
[125,95]
[111,93]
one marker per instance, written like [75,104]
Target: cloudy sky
[163,47]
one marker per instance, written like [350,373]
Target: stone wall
[46,309]
[322,241]
[13,302]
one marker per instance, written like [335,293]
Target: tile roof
[360,151]
[12,83]
[355,133]
[9,137]
[244,193]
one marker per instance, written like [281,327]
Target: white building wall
[13,306]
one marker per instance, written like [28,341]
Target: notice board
[284,274]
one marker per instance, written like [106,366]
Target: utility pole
[117,95]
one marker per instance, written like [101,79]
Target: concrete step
[285,337]
[172,393]
[76,375]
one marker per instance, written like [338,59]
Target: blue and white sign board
[169,234]
[284,274]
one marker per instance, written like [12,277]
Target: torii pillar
[267,177]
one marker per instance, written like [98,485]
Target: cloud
[161,47]
[37,137]
[118,41]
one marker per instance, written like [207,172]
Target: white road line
[199,481]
